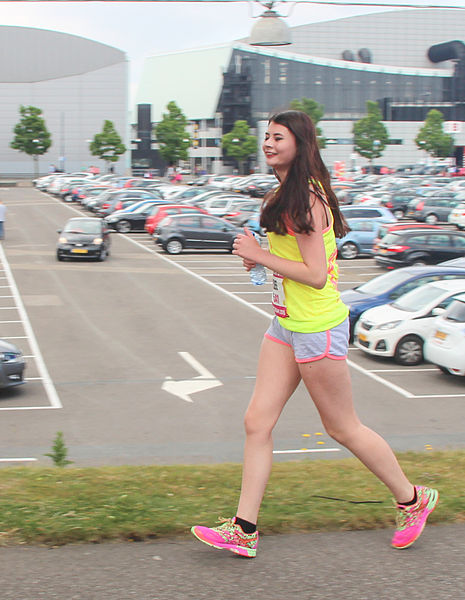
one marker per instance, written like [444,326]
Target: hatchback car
[385,228]
[367,212]
[413,247]
[432,209]
[359,240]
[179,232]
[445,346]
[83,237]
[457,216]
[165,210]
[387,287]
[398,330]
[12,365]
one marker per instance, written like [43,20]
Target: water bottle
[258,273]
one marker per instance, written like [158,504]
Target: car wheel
[60,257]
[174,247]
[409,351]
[123,226]
[431,219]
[102,256]
[67,198]
[348,251]
[399,213]
[418,262]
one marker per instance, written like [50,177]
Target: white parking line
[47,382]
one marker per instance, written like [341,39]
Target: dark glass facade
[256,85]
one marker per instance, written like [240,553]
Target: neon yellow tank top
[300,307]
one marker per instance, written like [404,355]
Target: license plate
[79,250]
[440,335]
[362,337]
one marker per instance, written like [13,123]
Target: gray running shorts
[308,347]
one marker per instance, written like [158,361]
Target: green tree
[315,111]
[432,138]
[370,134]
[31,135]
[107,145]
[172,136]
[239,144]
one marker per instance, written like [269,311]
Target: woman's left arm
[312,271]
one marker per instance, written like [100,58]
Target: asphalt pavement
[353,565]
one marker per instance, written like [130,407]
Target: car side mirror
[59,230]
[438,311]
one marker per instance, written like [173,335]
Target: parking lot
[150,358]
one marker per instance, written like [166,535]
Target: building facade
[77,83]
[409,61]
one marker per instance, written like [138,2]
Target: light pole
[376,145]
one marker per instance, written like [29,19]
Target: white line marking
[388,384]
[15,337]
[2,322]
[48,384]
[6,296]
[392,386]
[17,459]
[305,450]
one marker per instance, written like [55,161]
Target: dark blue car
[387,287]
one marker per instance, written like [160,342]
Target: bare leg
[328,382]
[277,378]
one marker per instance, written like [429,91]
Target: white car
[457,216]
[445,346]
[398,330]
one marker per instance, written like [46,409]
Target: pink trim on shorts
[273,339]
[307,360]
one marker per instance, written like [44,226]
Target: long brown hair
[289,204]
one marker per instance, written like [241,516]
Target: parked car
[368,212]
[128,220]
[240,213]
[83,237]
[385,228]
[398,330]
[398,203]
[164,210]
[179,232]
[221,205]
[414,247]
[432,209]
[445,345]
[359,240]
[387,287]
[105,204]
[457,216]
[12,365]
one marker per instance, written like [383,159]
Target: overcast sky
[144,28]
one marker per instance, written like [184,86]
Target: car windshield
[418,298]
[456,312]
[90,226]
[383,283]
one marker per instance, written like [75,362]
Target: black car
[398,203]
[432,209]
[413,247]
[132,220]
[83,237]
[178,232]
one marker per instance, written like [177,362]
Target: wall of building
[82,84]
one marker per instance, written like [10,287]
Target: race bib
[278,298]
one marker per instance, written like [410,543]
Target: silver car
[12,365]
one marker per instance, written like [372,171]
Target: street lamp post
[376,145]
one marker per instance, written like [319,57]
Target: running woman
[307,339]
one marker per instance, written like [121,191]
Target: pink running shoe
[228,536]
[411,520]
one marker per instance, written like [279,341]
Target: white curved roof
[29,55]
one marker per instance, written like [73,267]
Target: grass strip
[56,506]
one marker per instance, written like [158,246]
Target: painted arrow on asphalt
[184,387]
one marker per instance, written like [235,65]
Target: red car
[165,210]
